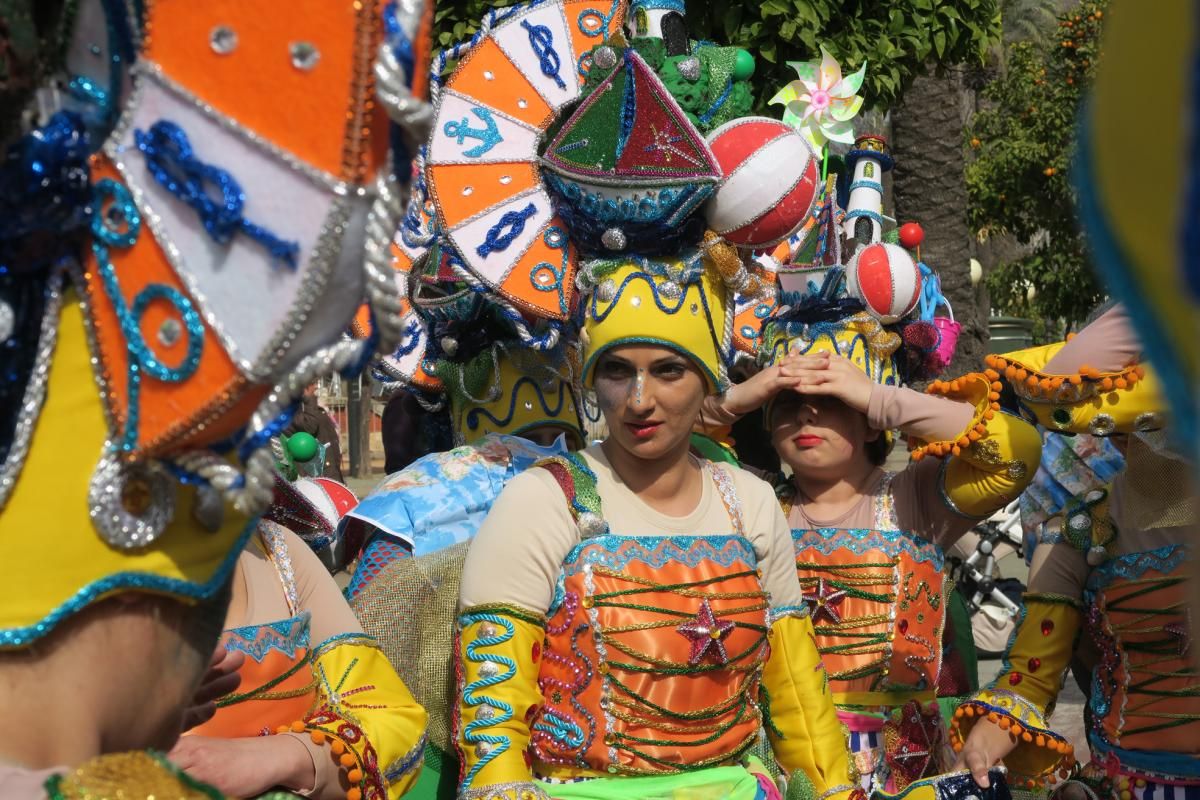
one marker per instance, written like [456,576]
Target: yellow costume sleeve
[991,462]
[1022,696]
[374,729]
[1090,401]
[497,688]
[798,711]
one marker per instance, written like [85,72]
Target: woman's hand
[221,678]
[987,745]
[836,377]
[754,393]
[246,767]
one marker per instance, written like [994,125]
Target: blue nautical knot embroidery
[547,277]
[506,230]
[488,136]
[542,42]
[117,224]
[173,163]
[412,338]
[564,731]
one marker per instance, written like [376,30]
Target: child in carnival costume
[631,637]
[869,543]
[132,346]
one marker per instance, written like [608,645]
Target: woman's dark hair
[878,449]
[753,442]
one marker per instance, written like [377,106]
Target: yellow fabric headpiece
[54,561]
[525,390]
[859,338]
[682,304]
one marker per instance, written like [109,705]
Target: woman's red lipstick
[643,430]
[807,440]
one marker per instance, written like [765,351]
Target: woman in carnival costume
[164,109]
[631,636]
[296,645]
[869,544]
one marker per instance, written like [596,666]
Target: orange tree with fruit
[1019,179]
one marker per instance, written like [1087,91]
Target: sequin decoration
[488,136]
[824,599]
[304,55]
[130,504]
[223,40]
[8,321]
[117,224]
[25,363]
[707,635]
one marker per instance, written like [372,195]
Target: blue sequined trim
[860,540]
[129,581]
[408,762]
[1166,765]
[287,636]
[1134,565]
[779,612]
[616,551]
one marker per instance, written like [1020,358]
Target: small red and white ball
[329,498]
[769,182]
[886,279]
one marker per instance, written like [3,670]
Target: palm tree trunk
[929,188]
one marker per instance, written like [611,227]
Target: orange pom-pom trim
[338,747]
[354,794]
[348,760]
[298,727]
[354,775]
[318,738]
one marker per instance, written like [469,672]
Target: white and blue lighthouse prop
[864,208]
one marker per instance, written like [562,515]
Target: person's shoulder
[535,485]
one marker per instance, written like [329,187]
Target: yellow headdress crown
[682,304]
[857,336]
[513,391]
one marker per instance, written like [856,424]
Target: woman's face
[650,397]
[819,436]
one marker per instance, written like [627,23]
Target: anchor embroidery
[488,137]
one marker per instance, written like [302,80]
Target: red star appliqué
[707,635]
[1182,631]
[824,601]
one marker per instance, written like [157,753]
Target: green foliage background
[897,37]
[1020,184]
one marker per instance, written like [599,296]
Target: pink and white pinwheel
[821,103]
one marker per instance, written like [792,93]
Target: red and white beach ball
[328,497]
[886,279]
[770,180]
